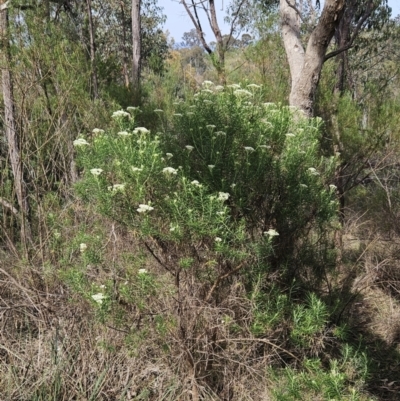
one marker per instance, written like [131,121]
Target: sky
[178,21]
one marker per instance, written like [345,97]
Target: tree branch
[370,9]
[233,21]
[197,25]
[295,9]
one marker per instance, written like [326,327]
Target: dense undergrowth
[198,260]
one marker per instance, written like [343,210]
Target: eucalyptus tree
[136,44]
[312,36]
[129,39]
[235,10]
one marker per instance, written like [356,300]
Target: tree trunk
[92,50]
[125,60]
[221,48]
[306,65]
[10,128]
[136,44]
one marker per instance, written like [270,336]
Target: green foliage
[342,380]
[231,141]
[309,321]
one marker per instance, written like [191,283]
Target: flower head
[158,111]
[290,135]
[196,183]
[239,92]
[142,271]
[144,208]
[169,171]
[124,133]
[248,149]
[173,227]
[82,247]
[223,196]
[271,232]
[141,130]
[218,239]
[169,155]
[99,297]
[116,187]
[131,108]
[189,147]
[96,171]
[136,169]
[208,83]
[80,142]
[98,131]
[313,171]
[211,166]
[120,113]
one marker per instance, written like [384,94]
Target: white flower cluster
[99,297]
[239,92]
[223,196]
[116,187]
[141,130]
[196,183]
[80,142]
[144,208]
[96,171]
[120,114]
[170,171]
[271,233]
[131,108]
[124,133]
[313,171]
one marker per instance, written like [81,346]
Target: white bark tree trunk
[136,44]
[306,64]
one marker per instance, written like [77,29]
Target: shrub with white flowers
[238,180]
